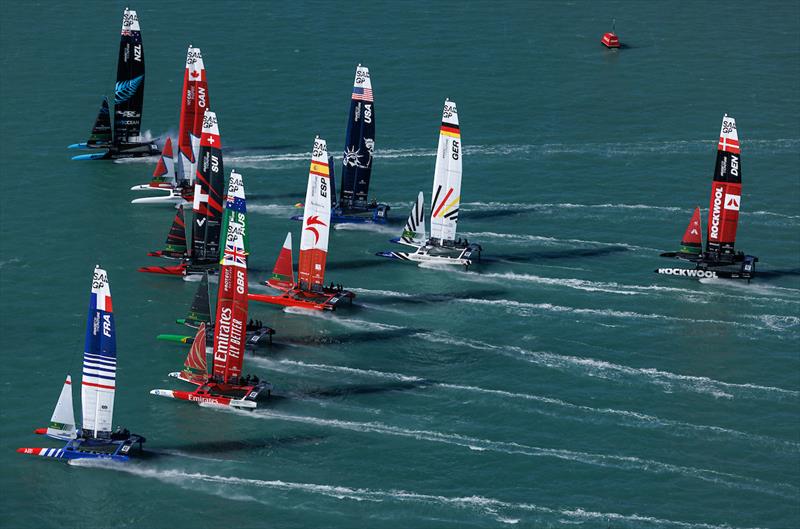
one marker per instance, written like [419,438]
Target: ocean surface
[559,384]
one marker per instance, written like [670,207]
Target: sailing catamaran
[442,246]
[225,386]
[200,314]
[95,439]
[126,140]
[195,101]
[353,205]
[203,255]
[719,258]
[309,291]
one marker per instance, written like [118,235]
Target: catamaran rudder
[126,140]
[310,291]
[95,439]
[443,247]
[226,386]
[719,258]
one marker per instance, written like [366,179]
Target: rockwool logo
[687,273]
[732,202]
[718,192]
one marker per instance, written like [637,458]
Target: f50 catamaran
[126,140]
[179,186]
[200,313]
[95,439]
[353,205]
[203,253]
[719,259]
[225,386]
[309,291]
[442,246]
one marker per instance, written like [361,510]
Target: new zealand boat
[125,140]
[309,291]
[178,181]
[442,246]
[95,438]
[258,335]
[719,258]
[353,205]
[225,385]
[203,253]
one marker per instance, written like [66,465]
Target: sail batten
[447,177]
[359,144]
[316,221]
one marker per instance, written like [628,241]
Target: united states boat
[719,258]
[125,141]
[178,180]
[95,438]
[258,335]
[309,291]
[353,205]
[442,246]
[203,253]
[225,385]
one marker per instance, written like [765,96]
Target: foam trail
[513,448]
[524,238]
[280,210]
[481,504]
[607,370]
[367,226]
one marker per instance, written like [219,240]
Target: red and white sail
[283,273]
[447,176]
[692,243]
[195,368]
[230,331]
[164,173]
[62,423]
[316,220]
[726,192]
[194,102]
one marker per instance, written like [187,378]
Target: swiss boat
[309,291]
[353,205]
[442,246]
[719,258]
[178,181]
[125,141]
[204,252]
[225,385]
[200,313]
[95,438]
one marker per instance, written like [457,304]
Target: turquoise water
[559,384]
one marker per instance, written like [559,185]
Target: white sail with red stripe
[99,376]
[447,177]
[230,331]
[726,192]
[283,272]
[62,423]
[316,220]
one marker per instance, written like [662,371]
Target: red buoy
[610,40]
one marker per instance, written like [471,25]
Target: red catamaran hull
[298,298]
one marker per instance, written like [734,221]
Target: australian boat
[719,258]
[95,439]
[225,385]
[125,140]
[309,291]
[442,246]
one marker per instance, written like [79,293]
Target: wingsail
[726,193]
[283,272]
[207,204]
[359,144]
[129,89]
[99,360]
[194,102]
[447,177]
[316,221]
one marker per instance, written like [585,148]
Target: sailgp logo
[687,273]
[312,221]
[715,212]
[124,90]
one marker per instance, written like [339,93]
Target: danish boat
[309,290]
[442,246]
[719,258]
[203,253]
[125,140]
[225,385]
[200,313]
[178,181]
[353,205]
[95,438]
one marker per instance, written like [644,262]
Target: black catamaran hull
[123,150]
[741,267]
